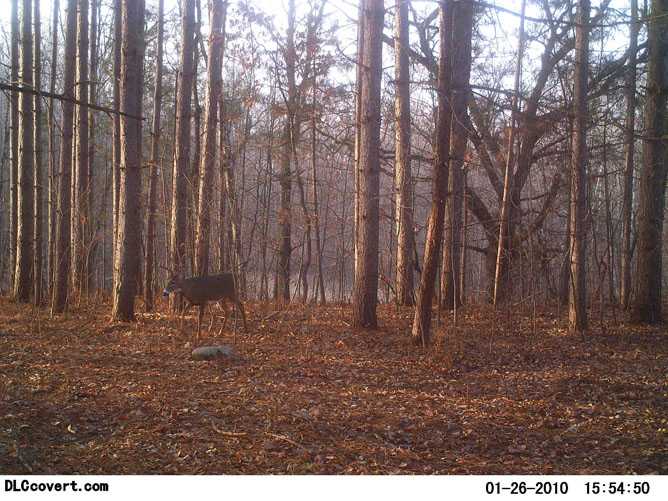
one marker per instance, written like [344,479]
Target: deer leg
[202,307]
[240,309]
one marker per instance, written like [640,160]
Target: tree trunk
[51,226]
[39,168]
[217,13]
[116,168]
[128,251]
[652,197]
[155,162]
[629,140]
[93,224]
[461,66]
[80,212]
[402,163]
[62,250]
[182,148]
[421,331]
[577,309]
[26,174]
[365,289]
[504,252]
[14,140]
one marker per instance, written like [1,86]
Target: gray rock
[220,352]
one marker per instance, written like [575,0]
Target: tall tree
[461,66]
[91,248]
[214,83]
[26,174]
[289,141]
[80,211]
[39,169]
[652,197]
[182,146]
[53,158]
[126,264]
[402,157]
[421,331]
[365,289]
[577,305]
[629,163]
[14,138]
[116,162]
[155,162]
[62,246]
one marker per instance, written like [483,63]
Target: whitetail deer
[198,291]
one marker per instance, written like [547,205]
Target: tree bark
[629,163]
[155,162]
[80,212]
[402,166]
[51,226]
[365,289]
[127,254]
[62,250]
[14,140]
[652,198]
[577,305]
[93,224]
[461,66]
[26,173]
[116,167]
[421,331]
[39,168]
[217,14]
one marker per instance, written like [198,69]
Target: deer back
[199,290]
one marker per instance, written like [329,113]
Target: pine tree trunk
[14,140]
[421,331]
[128,251]
[93,224]
[155,162]
[182,147]
[116,167]
[365,289]
[577,310]
[62,249]
[39,168]
[402,166]
[217,14]
[629,140]
[26,174]
[80,212]
[652,198]
[53,156]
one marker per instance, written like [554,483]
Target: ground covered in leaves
[308,394]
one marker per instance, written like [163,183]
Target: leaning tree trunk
[214,83]
[402,163]
[365,289]
[652,199]
[39,169]
[155,161]
[461,66]
[182,148]
[421,331]
[26,175]
[577,305]
[629,141]
[62,246]
[127,254]
[80,211]
[14,140]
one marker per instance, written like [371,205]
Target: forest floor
[310,395]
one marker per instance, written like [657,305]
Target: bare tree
[402,157]
[14,139]
[126,264]
[155,162]
[652,197]
[26,174]
[365,289]
[217,14]
[629,140]
[39,168]
[62,250]
[577,310]
[182,146]
[116,165]
[421,331]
